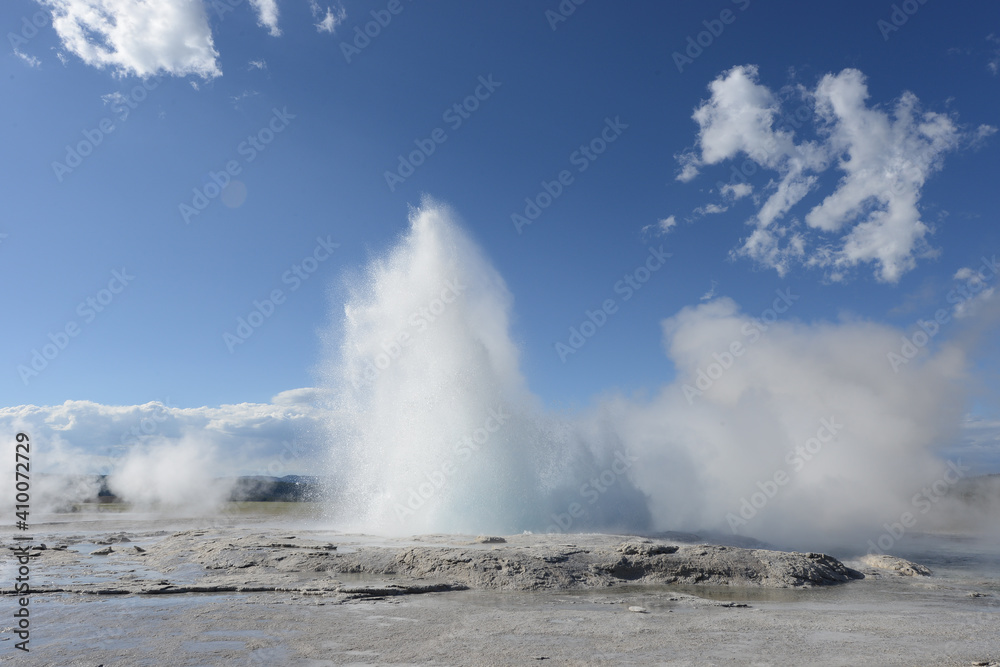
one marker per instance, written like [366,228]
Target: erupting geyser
[807,438]
[433,425]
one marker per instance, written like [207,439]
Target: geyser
[807,438]
[433,424]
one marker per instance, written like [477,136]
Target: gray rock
[894,564]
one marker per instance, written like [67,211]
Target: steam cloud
[171,475]
[434,429]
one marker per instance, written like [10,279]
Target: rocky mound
[220,560]
[540,567]
[894,564]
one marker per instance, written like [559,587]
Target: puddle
[93,569]
[252,634]
[212,646]
[365,578]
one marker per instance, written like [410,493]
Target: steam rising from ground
[47,492]
[170,475]
[805,438]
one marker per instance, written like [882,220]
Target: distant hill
[290,488]
[256,488]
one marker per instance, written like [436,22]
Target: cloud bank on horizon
[84,437]
[885,158]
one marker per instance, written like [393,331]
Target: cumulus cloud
[886,161]
[138,38]
[267,15]
[872,216]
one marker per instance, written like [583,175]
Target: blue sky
[183,95]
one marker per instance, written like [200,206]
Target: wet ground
[332,618]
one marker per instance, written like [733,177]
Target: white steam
[171,475]
[57,486]
[433,428]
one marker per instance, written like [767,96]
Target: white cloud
[664,226]
[250,437]
[236,99]
[710,294]
[710,209]
[113,98]
[138,38]
[994,63]
[267,15]
[257,64]
[31,61]
[333,17]
[982,133]
[689,167]
[736,190]
[885,160]
[976,291]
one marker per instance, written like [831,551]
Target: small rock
[638,610]
[645,549]
[490,539]
[102,552]
[900,565]
[139,550]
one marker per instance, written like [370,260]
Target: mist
[798,434]
[172,476]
